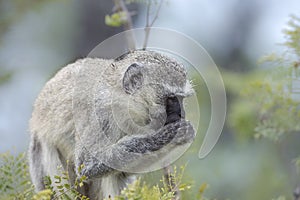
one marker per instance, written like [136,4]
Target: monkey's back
[52,117]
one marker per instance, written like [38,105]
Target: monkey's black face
[174,109]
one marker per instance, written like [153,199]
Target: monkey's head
[155,86]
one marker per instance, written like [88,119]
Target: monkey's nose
[173,110]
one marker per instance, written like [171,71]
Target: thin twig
[121,7]
[148,13]
[157,12]
[168,174]
[148,26]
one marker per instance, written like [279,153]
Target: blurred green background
[255,155]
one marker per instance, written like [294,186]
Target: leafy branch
[121,16]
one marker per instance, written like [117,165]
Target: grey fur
[108,115]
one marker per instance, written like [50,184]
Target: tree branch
[157,12]
[148,26]
[121,7]
[168,174]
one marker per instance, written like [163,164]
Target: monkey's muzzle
[174,110]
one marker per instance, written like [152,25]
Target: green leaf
[67,186]
[116,19]
[58,179]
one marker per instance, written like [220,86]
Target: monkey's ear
[133,78]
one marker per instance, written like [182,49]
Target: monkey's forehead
[154,61]
[166,75]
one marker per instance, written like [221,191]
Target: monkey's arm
[133,151]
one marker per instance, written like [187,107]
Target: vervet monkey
[114,117]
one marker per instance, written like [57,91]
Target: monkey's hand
[138,151]
[94,168]
[178,133]
[184,132]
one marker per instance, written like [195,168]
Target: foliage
[241,116]
[167,190]
[293,35]
[201,191]
[121,15]
[60,188]
[138,190]
[14,177]
[276,112]
[15,184]
[15,181]
[269,104]
[116,19]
